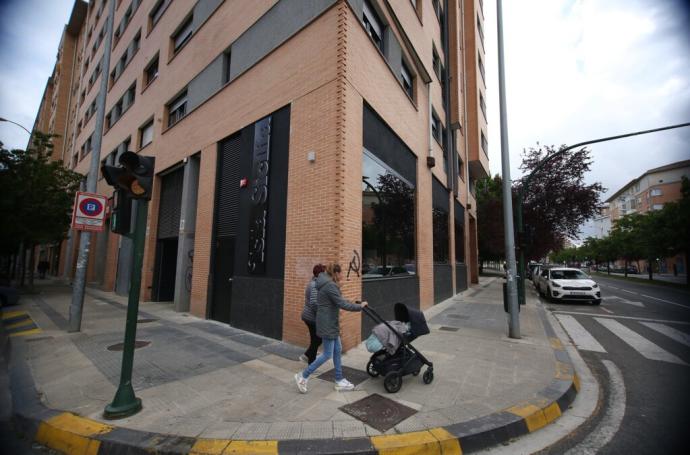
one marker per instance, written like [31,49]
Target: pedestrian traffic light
[134,175]
[121,218]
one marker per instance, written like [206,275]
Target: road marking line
[663,321]
[580,336]
[670,332]
[639,343]
[629,292]
[622,300]
[613,416]
[666,301]
[606,309]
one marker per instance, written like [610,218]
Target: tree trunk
[625,270]
[608,267]
[649,268]
[32,265]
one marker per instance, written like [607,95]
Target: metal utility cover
[120,346]
[354,376]
[378,412]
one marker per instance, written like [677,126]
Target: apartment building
[288,133]
[648,192]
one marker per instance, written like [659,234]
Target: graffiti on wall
[355,264]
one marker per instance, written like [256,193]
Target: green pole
[125,403]
[521,193]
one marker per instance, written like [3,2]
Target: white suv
[561,283]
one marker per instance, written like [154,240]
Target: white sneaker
[344,385]
[301,382]
[304,358]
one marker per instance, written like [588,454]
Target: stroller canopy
[415,317]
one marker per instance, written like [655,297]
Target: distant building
[601,223]
[646,193]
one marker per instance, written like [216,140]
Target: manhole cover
[354,376]
[378,412]
[449,329]
[144,321]
[120,346]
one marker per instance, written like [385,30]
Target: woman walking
[309,316]
[329,302]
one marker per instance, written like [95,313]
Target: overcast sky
[575,70]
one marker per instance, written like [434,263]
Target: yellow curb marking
[209,446]
[552,412]
[576,381]
[564,371]
[71,434]
[252,447]
[533,415]
[418,442]
[26,332]
[27,321]
[556,344]
[449,443]
[11,314]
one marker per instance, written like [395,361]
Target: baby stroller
[406,359]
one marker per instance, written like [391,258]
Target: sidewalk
[209,388]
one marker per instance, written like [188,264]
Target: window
[440,232]
[438,10]
[480,30]
[436,63]
[482,104]
[657,206]
[146,134]
[177,109]
[388,221]
[481,67]
[656,192]
[151,71]
[460,167]
[226,66]
[436,128]
[157,11]
[183,34]
[406,76]
[485,145]
[373,25]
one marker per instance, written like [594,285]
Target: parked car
[563,283]
[531,267]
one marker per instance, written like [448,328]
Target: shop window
[440,228]
[388,221]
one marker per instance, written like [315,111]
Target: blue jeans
[331,348]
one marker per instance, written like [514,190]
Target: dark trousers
[314,342]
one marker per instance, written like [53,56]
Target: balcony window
[177,109]
[373,25]
[388,221]
[157,12]
[480,30]
[151,71]
[482,105]
[406,77]
[146,134]
[481,67]
[183,33]
[436,128]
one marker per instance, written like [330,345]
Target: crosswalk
[585,341]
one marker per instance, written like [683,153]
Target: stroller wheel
[392,382]
[428,376]
[371,370]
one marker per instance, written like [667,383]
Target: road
[637,344]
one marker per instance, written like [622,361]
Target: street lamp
[540,165]
[20,126]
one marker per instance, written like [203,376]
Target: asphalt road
[637,344]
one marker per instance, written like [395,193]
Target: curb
[72,434]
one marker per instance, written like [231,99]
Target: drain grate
[378,412]
[354,376]
[449,329]
[120,346]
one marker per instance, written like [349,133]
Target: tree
[676,224]
[625,237]
[37,197]
[490,219]
[557,200]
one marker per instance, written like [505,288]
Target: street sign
[89,212]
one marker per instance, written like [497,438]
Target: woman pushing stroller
[329,303]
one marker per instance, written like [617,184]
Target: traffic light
[134,175]
[121,219]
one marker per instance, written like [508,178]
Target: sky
[575,70]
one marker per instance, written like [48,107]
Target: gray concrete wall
[202,10]
[205,83]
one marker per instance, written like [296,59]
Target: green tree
[676,224]
[490,219]
[37,197]
[625,236]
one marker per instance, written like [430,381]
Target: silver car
[563,283]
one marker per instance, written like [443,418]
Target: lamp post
[19,125]
[540,165]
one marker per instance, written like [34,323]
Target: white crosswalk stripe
[580,336]
[670,332]
[642,345]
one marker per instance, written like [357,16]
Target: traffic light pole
[540,165]
[125,402]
